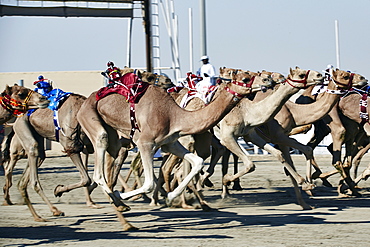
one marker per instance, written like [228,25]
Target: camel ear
[291,71]
[222,70]
[139,73]
[296,67]
[7,90]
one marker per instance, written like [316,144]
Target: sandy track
[264,213]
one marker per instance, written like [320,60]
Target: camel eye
[346,77]
[245,80]
[22,95]
[302,76]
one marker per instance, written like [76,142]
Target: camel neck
[198,121]
[309,113]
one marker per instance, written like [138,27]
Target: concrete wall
[80,82]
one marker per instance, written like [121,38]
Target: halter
[241,84]
[304,80]
[12,105]
[345,86]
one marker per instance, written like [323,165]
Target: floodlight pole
[337,43]
[148,34]
[203,31]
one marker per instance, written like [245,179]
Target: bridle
[15,107]
[238,83]
[304,80]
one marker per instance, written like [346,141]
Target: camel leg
[231,144]
[8,169]
[197,164]
[225,167]
[16,152]
[98,135]
[34,146]
[147,153]
[300,200]
[85,179]
[358,157]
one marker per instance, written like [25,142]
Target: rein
[11,105]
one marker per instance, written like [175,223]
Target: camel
[160,122]
[31,130]
[333,123]
[16,100]
[201,143]
[248,114]
[349,106]
[276,132]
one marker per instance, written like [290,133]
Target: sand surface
[264,213]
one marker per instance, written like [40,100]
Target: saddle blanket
[131,87]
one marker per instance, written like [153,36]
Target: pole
[337,42]
[191,39]
[203,34]
[129,40]
[148,35]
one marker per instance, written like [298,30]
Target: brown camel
[160,123]
[16,100]
[70,137]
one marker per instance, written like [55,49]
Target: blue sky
[253,35]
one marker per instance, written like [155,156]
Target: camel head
[346,80]
[278,77]
[22,99]
[301,78]
[158,80]
[257,82]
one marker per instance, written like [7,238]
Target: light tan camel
[200,143]
[250,114]
[349,107]
[332,123]
[16,100]
[300,114]
[160,121]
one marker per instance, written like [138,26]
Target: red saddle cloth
[129,86]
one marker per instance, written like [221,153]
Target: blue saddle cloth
[57,97]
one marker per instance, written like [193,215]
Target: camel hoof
[206,208]
[39,219]
[326,183]
[123,208]
[237,186]
[134,198]
[7,203]
[94,206]
[307,186]
[154,204]
[129,228]
[57,192]
[307,207]
[186,206]
[226,180]
[208,183]
[309,192]
[58,213]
